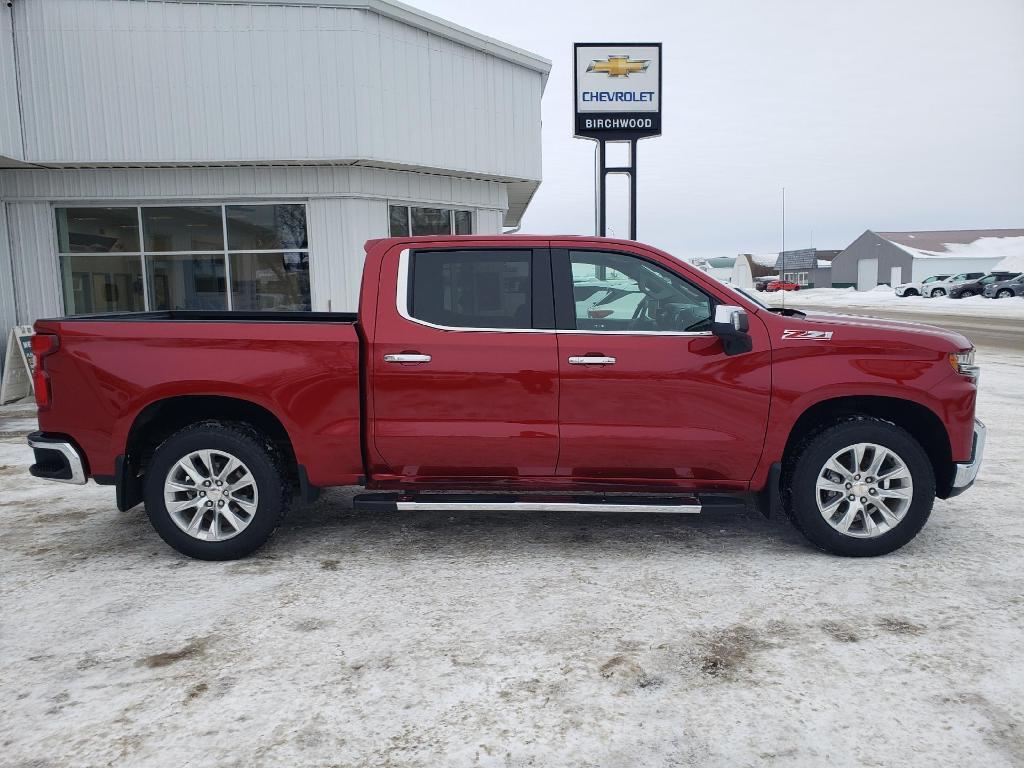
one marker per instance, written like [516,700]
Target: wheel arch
[923,424]
[163,417]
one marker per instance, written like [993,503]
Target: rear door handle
[407,358]
[591,360]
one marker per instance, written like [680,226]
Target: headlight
[963,363]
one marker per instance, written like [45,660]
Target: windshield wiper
[787,311]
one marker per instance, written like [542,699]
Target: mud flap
[127,483]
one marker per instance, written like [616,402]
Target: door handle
[407,358]
[591,360]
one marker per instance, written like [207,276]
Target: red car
[782,285]
[471,365]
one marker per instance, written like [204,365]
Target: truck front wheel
[215,490]
[859,488]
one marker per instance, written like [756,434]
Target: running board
[445,502]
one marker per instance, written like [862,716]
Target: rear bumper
[965,472]
[56,459]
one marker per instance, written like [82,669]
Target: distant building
[719,267]
[898,257]
[808,267]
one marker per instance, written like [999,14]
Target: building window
[211,257]
[800,278]
[407,220]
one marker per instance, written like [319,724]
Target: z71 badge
[808,335]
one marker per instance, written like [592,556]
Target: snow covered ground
[514,640]
[843,299]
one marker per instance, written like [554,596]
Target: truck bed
[234,316]
[302,369]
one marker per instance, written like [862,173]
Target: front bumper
[965,472]
[56,459]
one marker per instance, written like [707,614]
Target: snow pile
[883,296]
[982,248]
[1012,263]
[765,259]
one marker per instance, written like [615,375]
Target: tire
[807,463]
[1004,294]
[260,482]
[937,292]
[909,292]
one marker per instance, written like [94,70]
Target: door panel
[672,408]
[664,403]
[484,406]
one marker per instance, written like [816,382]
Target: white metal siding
[10,123]
[488,222]
[248,181]
[346,207]
[338,229]
[113,81]
[36,269]
[8,313]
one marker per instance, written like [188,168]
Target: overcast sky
[880,114]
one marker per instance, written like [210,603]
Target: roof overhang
[520,193]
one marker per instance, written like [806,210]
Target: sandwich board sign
[19,364]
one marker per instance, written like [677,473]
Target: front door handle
[591,360]
[407,358]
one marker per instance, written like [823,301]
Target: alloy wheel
[211,495]
[864,490]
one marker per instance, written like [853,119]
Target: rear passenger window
[472,288]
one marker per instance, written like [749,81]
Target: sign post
[617,94]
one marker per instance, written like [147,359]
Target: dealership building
[236,155]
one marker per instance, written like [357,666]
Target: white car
[922,288]
[941,287]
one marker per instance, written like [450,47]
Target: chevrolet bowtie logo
[619,66]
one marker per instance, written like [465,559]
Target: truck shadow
[332,523]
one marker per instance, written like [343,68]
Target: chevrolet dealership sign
[618,90]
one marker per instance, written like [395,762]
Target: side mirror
[731,325]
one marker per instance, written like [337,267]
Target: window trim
[537,274]
[565,305]
[557,261]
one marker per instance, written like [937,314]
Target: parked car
[761,283]
[1002,289]
[470,367]
[782,285]
[919,288]
[975,287]
[942,287]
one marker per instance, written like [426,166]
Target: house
[808,267]
[899,257]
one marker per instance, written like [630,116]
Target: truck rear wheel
[216,490]
[859,488]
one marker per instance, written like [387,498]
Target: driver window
[616,292]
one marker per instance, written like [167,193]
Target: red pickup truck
[512,373]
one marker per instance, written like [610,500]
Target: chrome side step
[444,502]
